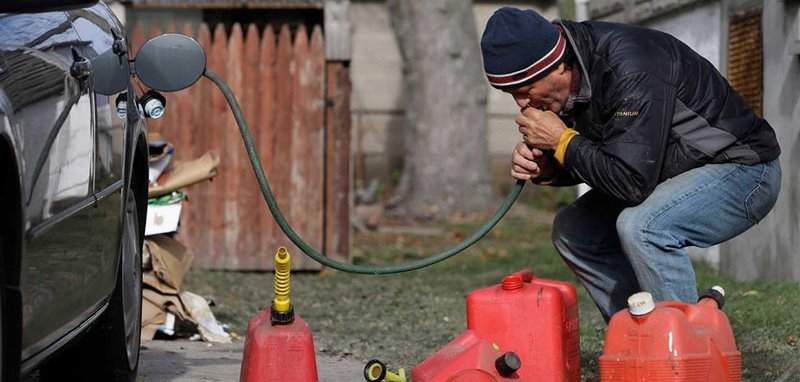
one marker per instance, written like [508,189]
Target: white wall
[699,27]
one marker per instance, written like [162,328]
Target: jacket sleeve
[626,163]
[560,177]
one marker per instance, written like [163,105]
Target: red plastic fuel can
[278,353]
[535,318]
[671,341]
[468,358]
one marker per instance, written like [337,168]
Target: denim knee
[630,227]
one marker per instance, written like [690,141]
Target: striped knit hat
[519,47]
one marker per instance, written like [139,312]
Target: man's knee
[630,225]
[640,232]
[586,225]
[561,227]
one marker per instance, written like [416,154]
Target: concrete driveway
[187,361]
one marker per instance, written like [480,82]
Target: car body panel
[99,29]
[53,114]
[74,155]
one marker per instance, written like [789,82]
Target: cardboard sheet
[170,260]
[185,174]
[155,307]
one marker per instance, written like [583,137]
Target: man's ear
[562,67]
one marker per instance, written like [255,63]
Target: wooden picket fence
[280,81]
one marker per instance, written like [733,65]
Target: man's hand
[527,163]
[540,129]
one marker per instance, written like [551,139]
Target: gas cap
[641,303]
[507,364]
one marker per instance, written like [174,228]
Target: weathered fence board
[266,135]
[190,145]
[217,117]
[248,197]
[337,161]
[312,79]
[200,132]
[282,84]
[233,157]
[306,175]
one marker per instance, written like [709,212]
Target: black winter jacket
[651,108]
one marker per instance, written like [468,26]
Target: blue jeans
[617,251]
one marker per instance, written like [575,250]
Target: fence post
[315,128]
[337,160]
[338,171]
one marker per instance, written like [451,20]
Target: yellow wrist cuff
[563,142]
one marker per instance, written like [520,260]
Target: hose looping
[310,251]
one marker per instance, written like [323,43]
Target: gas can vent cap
[641,303]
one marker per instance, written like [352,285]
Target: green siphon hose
[310,251]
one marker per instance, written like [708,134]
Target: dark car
[73,188]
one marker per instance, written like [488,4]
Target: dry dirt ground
[187,361]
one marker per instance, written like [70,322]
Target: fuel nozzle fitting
[282,311]
[376,371]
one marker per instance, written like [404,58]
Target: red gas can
[278,353]
[527,320]
[671,341]
[535,318]
[468,358]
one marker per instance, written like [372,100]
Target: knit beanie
[519,47]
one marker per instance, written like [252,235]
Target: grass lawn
[401,319]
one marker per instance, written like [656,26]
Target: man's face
[547,93]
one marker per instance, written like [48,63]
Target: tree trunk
[446,167]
